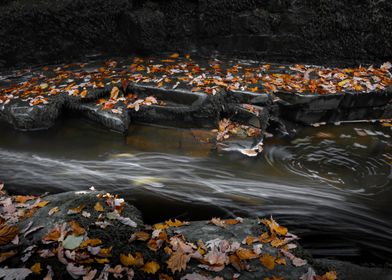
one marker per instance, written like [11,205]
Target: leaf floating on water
[249,152]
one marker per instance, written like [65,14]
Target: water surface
[331,185]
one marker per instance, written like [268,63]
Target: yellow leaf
[102,261]
[174,55]
[281,261]
[105,252]
[90,242]
[160,226]
[342,83]
[141,235]
[98,207]
[42,204]
[36,268]
[54,235]
[129,260]
[232,221]
[176,223]
[7,234]
[268,261]
[331,275]
[151,267]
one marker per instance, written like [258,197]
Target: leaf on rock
[246,254]
[98,207]
[76,210]
[114,93]
[6,255]
[268,261]
[130,260]
[76,228]
[36,268]
[7,234]
[72,242]
[23,198]
[53,211]
[151,267]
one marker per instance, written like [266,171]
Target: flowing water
[330,185]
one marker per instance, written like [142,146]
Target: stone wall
[318,31]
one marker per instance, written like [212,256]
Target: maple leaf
[268,261]
[7,234]
[151,267]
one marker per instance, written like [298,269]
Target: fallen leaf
[76,210]
[72,242]
[36,268]
[53,211]
[130,260]
[151,267]
[6,255]
[114,93]
[174,55]
[7,234]
[76,228]
[98,207]
[246,254]
[268,261]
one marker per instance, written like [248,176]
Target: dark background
[318,31]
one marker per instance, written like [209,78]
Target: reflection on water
[331,185]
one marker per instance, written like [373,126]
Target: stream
[330,185]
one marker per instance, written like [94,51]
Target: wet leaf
[6,255]
[23,198]
[76,228]
[53,211]
[36,268]
[98,207]
[76,210]
[7,233]
[246,254]
[114,93]
[174,55]
[130,260]
[72,242]
[151,267]
[268,261]
[90,242]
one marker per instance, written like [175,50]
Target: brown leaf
[7,233]
[6,255]
[98,207]
[76,228]
[151,267]
[114,93]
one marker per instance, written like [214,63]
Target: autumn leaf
[76,228]
[83,94]
[6,255]
[151,267]
[36,268]
[174,55]
[76,210]
[246,254]
[268,261]
[114,93]
[176,223]
[140,235]
[102,261]
[42,204]
[275,227]
[54,235]
[281,261]
[53,211]
[331,275]
[7,233]
[90,242]
[130,260]
[23,198]
[98,207]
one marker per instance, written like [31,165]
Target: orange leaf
[268,261]
[23,198]
[129,260]
[76,228]
[7,234]
[246,254]
[36,268]
[174,55]
[98,207]
[90,242]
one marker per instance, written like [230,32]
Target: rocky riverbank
[237,97]
[94,234]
